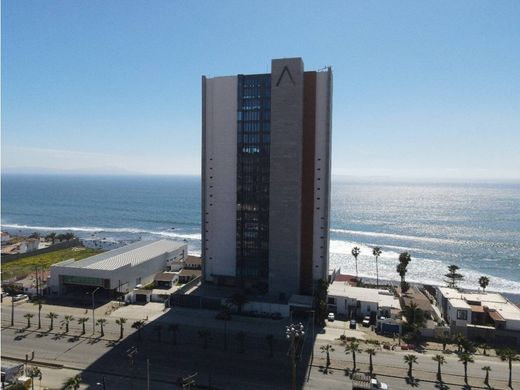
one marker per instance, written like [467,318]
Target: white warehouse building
[117,271]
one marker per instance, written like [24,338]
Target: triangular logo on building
[285,70]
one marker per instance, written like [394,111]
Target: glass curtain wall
[254,138]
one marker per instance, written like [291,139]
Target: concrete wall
[285,176]
[451,315]
[219,169]
[322,175]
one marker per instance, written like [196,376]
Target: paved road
[229,369]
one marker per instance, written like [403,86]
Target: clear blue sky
[421,89]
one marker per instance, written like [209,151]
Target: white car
[19,297]
[331,317]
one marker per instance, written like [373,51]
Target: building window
[462,315]
[331,301]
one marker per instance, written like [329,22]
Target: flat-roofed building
[461,308]
[361,301]
[119,270]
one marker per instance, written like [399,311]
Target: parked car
[366,321]
[364,382]
[353,324]
[331,317]
[19,297]
[276,316]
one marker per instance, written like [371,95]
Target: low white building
[360,301]
[119,270]
[462,308]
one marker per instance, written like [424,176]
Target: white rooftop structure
[122,268]
[133,254]
[494,303]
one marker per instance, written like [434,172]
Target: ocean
[475,226]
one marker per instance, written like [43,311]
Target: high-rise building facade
[266,145]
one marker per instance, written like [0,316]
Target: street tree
[509,355]
[34,372]
[483,282]
[66,321]
[28,316]
[371,352]
[352,348]
[39,302]
[376,251]
[440,361]
[72,383]
[355,252]
[410,359]
[101,322]
[466,358]
[121,322]
[453,277]
[486,379]
[138,325]
[52,316]
[238,299]
[327,349]
[82,322]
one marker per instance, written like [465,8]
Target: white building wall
[219,173]
[322,176]
[452,315]
[125,277]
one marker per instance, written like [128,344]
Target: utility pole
[293,333]
[147,374]
[93,307]
[12,311]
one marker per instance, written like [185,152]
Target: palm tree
[52,316]
[376,251]
[82,322]
[483,282]
[52,237]
[204,335]
[28,316]
[327,349]
[410,360]
[121,322]
[66,320]
[440,361]
[404,260]
[138,325]
[238,299]
[101,322]
[355,252]
[486,379]
[241,336]
[270,341]
[511,356]
[353,348]
[39,302]
[466,358]
[371,352]
[72,383]
[174,328]
[459,340]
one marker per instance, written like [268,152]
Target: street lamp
[294,333]
[93,307]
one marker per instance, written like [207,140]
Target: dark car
[223,315]
[352,324]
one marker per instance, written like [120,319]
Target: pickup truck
[364,382]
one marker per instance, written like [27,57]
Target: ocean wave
[396,236]
[95,229]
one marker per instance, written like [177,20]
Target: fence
[52,248]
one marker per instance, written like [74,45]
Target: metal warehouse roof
[132,254]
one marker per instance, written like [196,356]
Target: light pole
[93,307]
[293,333]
